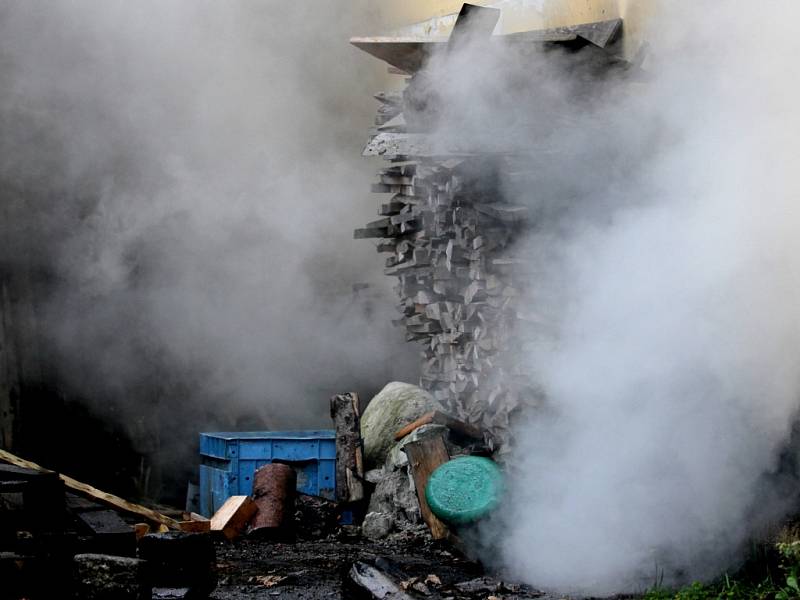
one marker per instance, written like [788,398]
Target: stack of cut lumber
[449,236]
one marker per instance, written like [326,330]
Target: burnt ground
[313,562]
[316,563]
[318,569]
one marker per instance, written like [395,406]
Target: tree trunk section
[424,456]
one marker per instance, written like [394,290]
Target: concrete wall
[435,17]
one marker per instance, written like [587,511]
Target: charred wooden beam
[346,416]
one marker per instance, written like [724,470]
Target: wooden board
[233,516]
[195,526]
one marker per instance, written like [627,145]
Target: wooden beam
[349,452]
[99,495]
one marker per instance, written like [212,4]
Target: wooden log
[346,417]
[440,418]
[424,456]
[233,516]
[273,492]
[92,492]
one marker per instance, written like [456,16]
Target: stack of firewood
[449,237]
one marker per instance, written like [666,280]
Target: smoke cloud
[664,239]
[182,180]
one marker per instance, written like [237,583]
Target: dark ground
[318,569]
[316,563]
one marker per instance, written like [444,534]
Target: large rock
[395,406]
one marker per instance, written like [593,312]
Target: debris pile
[406,437]
[61,537]
[384,578]
[102,546]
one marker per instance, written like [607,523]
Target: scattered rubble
[104,577]
[104,553]
[394,497]
[379,585]
[377,525]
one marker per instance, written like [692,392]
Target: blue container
[228,461]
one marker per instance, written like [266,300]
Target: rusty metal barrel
[273,491]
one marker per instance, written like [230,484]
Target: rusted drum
[273,491]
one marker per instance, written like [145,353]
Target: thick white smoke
[182,180]
[675,374]
[665,237]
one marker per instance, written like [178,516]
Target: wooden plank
[364,233]
[93,492]
[233,516]
[349,452]
[440,418]
[424,456]
[194,526]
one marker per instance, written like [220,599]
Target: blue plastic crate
[228,461]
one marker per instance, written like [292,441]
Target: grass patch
[782,583]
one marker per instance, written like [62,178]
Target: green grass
[728,590]
[784,585]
